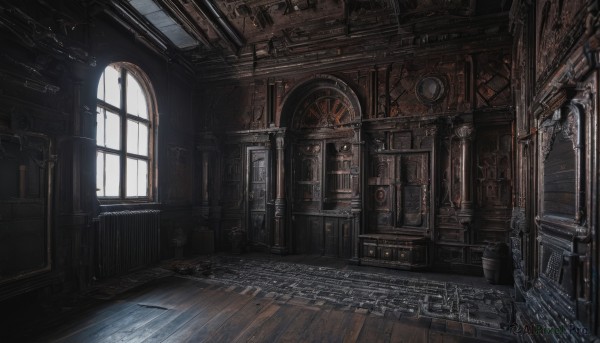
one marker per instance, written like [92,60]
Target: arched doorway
[323,118]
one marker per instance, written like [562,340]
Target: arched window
[124,134]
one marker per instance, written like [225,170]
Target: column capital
[280,140]
[465,131]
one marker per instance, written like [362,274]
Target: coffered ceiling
[221,39]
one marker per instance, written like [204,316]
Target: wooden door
[257,196]
[398,192]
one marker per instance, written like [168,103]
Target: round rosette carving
[431,89]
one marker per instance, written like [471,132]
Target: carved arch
[323,101]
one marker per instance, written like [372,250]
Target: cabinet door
[307,176]
[381,193]
[398,192]
[258,196]
[412,190]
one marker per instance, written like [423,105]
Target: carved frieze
[556,31]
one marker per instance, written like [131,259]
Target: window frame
[135,72]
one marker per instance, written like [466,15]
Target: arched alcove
[321,116]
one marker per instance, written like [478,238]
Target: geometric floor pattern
[381,294]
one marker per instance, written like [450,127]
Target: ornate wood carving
[494,182]
[323,108]
[258,194]
[338,183]
[560,149]
[422,87]
[398,191]
[307,183]
[465,134]
[556,31]
[431,89]
[493,80]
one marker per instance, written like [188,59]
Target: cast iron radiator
[126,240]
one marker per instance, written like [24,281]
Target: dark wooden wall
[470,127]
[52,58]
[389,120]
[554,237]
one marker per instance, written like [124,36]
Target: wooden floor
[176,309]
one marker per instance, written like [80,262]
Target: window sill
[128,206]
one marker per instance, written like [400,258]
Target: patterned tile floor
[380,292]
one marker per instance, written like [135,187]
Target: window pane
[113,130]
[131,177]
[137,177]
[132,137]
[143,147]
[113,169]
[101,87]
[136,99]
[112,89]
[142,178]
[99,174]
[100,127]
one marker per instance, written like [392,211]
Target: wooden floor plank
[298,327]
[403,333]
[196,298]
[376,329]
[109,309]
[258,322]
[189,310]
[97,333]
[146,306]
[275,326]
[335,329]
[327,326]
[209,300]
[240,321]
[353,325]
[203,331]
[184,325]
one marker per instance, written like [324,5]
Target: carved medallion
[430,90]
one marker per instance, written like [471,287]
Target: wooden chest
[394,251]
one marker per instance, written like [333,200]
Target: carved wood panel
[258,178]
[307,175]
[324,107]
[494,182]
[232,178]
[554,32]
[338,186]
[493,80]
[412,209]
[398,188]
[560,150]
